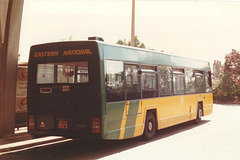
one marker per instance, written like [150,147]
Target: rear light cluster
[96,125]
[31,122]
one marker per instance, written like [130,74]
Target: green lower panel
[115,112]
[120,116]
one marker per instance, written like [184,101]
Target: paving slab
[24,140]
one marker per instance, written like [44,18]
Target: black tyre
[199,114]
[150,126]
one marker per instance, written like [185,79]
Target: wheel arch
[200,104]
[154,111]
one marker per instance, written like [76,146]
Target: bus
[91,89]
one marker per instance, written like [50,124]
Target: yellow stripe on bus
[124,120]
[139,125]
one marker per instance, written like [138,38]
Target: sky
[198,29]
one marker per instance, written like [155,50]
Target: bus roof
[133,54]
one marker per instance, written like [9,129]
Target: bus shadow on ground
[120,146]
[170,131]
[92,149]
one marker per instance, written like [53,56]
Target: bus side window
[178,80]
[149,82]
[200,85]
[114,81]
[190,80]
[165,80]
[208,81]
[133,87]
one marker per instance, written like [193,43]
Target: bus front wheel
[150,126]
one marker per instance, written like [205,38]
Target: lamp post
[133,23]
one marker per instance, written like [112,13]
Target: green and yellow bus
[92,89]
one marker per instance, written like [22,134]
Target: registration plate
[62,124]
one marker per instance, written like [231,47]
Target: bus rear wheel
[150,126]
[199,114]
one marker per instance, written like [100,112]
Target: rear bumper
[70,127]
[67,134]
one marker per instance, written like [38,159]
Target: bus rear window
[72,72]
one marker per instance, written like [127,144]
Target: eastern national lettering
[46,54]
[72,52]
[77,52]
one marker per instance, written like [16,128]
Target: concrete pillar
[10,24]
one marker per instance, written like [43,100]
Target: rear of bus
[64,90]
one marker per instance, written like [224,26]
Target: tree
[136,44]
[229,87]
[232,65]
[227,90]
[70,38]
[122,42]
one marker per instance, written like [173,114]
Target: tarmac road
[216,138]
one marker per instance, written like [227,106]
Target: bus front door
[133,104]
